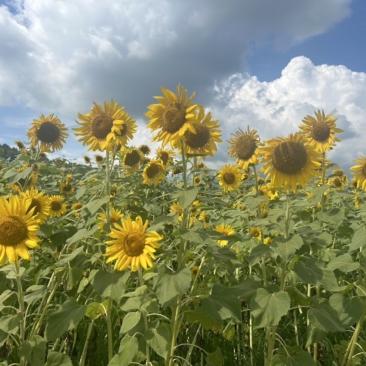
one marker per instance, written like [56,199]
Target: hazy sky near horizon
[264,63]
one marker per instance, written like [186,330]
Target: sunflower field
[150,258]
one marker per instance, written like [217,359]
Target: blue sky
[266,64]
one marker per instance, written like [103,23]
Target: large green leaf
[259,252]
[95,205]
[308,272]
[159,339]
[198,315]
[358,240]
[67,317]
[215,358]
[58,359]
[130,320]
[333,216]
[34,351]
[286,248]
[65,258]
[349,310]
[10,323]
[245,289]
[343,263]
[127,351]
[191,235]
[268,308]
[301,359]
[82,234]
[186,197]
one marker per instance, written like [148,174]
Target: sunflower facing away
[173,115]
[320,131]
[18,227]
[49,131]
[359,172]
[154,172]
[224,229]
[39,202]
[105,126]
[166,156]
[132,245]
[230,177]
[243,147]
[288,161]
[57,208]
[145,149]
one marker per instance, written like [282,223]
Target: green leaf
[110,284]
[130,321]
[343,263]
[349,310]
[159,222]
[95,309]
[215,358]
[333,216]
[66,318]
[82,234]
[259,252]
[127,352]
[159,339]
[222,252]
[198,315]
[58,359]
[34,292]
[95,205]
[10,323]
[34,351]
[314,335]
[297,297]
[80,192]
[65,258]
[358,240]
[246,289]
[309,272]
[301,359]
[286,248]
[187,197]
[254,202]
[329,280]
[222,304]
[168,284]
[191,235]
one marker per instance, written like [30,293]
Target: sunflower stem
[109,329]
[108,185]
[83,355]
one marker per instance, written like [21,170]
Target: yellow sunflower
[154,172]
[103,128]
[166,156]
[57,208]
[87,159]
[145,149]
[224,229]
[256,232]
[39,202]
[76,207]
[173,115]
[288,161]
[49,131]
[359,172]
[132,245]
[320,131]
[18,227]
[67,188]
[337,182]
[115,216]
[133,159]
[244,147]
[99,159]
[230,177]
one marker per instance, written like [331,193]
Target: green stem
[144,315]
[109,329]
[188,357]
[83,355]
[21,309]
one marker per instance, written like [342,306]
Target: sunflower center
[48,132]
[256,233]
[101,126]
[37,206]
[164,157]
[152,171]
[134,244]
[245,147]
[67,188]
[320,132]
[56,206]
[132,158]
[200,139]
[290,157]
[337,182]
[229,178]
[174,117]
[13,231]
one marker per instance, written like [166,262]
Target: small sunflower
[244,147]
[132,159]
[39,202]
[18,227]
[176,208]
[115,216]
[20,145]
[145,149]
[359,172]
[132,245]
[224,229]
[49,131]
[99,159]
[177,170]
[87,159]
[197,180]
[337,183]
[57,208]
[194,271]
[166,156]
[256,232]
[154,172]
[67,188]
[267,240]
[230,177]
[288,161]
[106,127]
[173,115]
[76,207]
[320,131]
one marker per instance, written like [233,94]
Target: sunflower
[359,172]
[197,180]
[173,115]
[18,227]
[320,131]
[39,202]
[194,271]
[224,229]
[145,149]
[20,145]
[133,159]
[57,208]
[98,159]
[115,216]
[154,172]
[177,170]
[288,161]
[106,127]
[132,245]
[49,131]
[230,177]
[87,159]
[244,147]
[337,183]
[76,207]
[67,188]
[166,156]
[267,240]
[256,232]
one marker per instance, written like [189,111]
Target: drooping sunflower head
[132,159]
[288,161]
[38,201]
[226,230]
[154,172]
[20,145]
[99,159]
[87,159]
[172,116]
[320,131]
[243,147]
[145,149]
[165,156]
[359,172]
[230,177]
[57,207]
[49,132]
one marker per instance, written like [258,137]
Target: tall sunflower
[288,161]
[49,131]
[132,159]
[230,177]
[132,245]
[103,128]
[57,208]
[18,227]
[244,147]
[359,172]
[320,131]
[224,229]
[173,115]
[39,202]
[154,172]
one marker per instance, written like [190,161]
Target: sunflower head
[359,172]
[99,159]
[145,150]
[39,203]
[256,232]
[165,156]
[230,177]
[132,159]
[19,145]
[57,207]
[154,172]
[226,230]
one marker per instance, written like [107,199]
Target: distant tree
[7,152]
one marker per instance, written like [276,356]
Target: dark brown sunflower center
[67,188]
[132,158]
[320,132]
[99,158]
[101,126]
[145,149]
[56,206]
[152,171]
[37,206]
[198,140]
[174,117]
[290,157]
[256,233]
[48,132]
[229,178]
[134,244]
[337,182]
[245,147]
[164,157]
[13,231]
[112,220]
